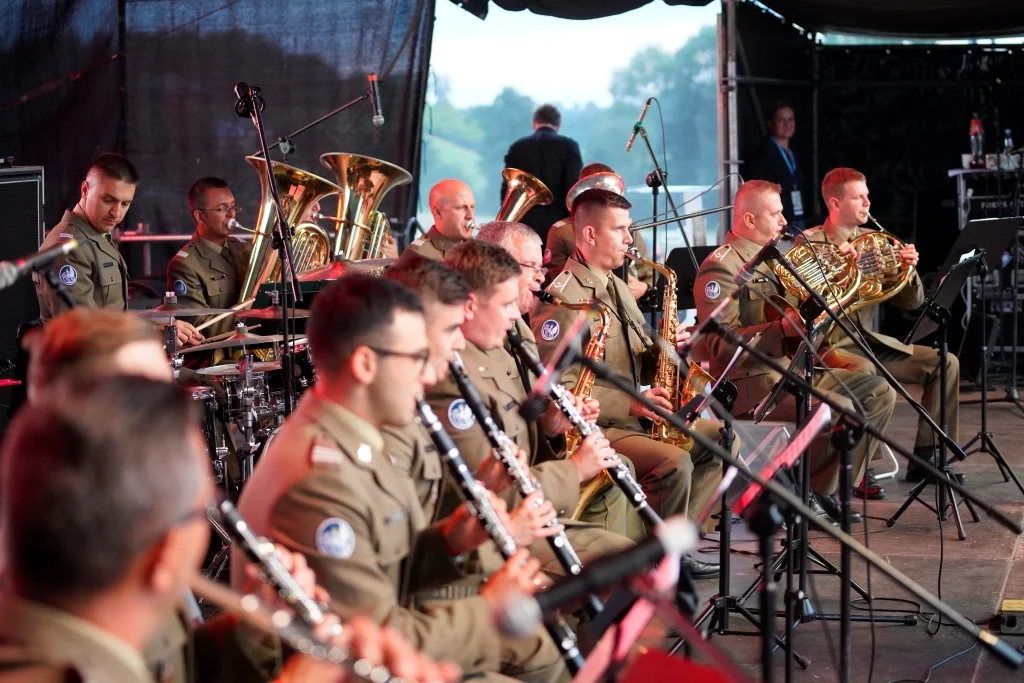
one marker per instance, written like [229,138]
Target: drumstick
[217,318]
[226,335]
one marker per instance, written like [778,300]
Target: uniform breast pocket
[219,287]
[111,281]
[393,533]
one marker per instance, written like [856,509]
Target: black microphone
[378,115]
[248,98]
[636,126]
[566,352]
[747,271]
[520,615]
[10,271]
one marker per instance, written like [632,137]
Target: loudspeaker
[22,197]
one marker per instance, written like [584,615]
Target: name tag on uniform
[798,203]
[510,405]
[108,264]
[395,516]
[217,277]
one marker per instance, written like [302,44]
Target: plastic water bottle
[977,143]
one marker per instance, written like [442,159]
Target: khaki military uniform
[907,362]
[40,643]
[414,455]
[676,481]
[94,274]
[432,244]
[748,316]
[562,243]
[326,489]
[205,275]
[496,376]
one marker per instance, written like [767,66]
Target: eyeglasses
[422,356]
[223,208]
[540,269]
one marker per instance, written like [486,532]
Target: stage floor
[977,573]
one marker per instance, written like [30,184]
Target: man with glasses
[208,271]
[327,488]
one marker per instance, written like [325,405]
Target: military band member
[95,274]
[561,243]
[845,192]
[757,219]
[208,271]
[326,489]
[454,209]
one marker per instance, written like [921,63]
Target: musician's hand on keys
[464,532]
[553,422]
[389,249]
[661,398]
[492,473]
[188,335]
[530,518]
[636,287]
[520,574]
[296,565]
[589,409]
[594,456]
[909,255]
[847,248]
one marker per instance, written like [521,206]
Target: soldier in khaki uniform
[326,488]
[845,192]
[757,219]
[453,207]
[95,274]
[208,271]
[561,243]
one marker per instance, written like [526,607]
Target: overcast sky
[552,60]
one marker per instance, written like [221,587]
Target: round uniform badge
[180,288]
[335,538]
[68,275]
[549,330]
[460,415]
[712,290]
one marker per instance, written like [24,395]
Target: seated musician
[561,243]
[757,219]
[845,192]
[327,488]
[453,207]
[676,481]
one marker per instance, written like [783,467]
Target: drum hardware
[271,313]
[241,338]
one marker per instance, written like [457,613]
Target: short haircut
[115,166]
[594,200]
[197,193]
[779,104]
[79,345]
[429,278]
[749,192]
[355,310]
[484,265]
[547,114]
[835,180]
[507,233]
[596,167]
[90,480]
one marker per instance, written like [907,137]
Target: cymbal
[166,311]
[231,369]
[271,313]
[331,271]
[245,339]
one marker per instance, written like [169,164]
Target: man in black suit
[554,159]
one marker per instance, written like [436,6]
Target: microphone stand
[784,498]
[250,104]
[285,143]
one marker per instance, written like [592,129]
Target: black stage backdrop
[154,79]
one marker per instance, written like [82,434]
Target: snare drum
[233,383]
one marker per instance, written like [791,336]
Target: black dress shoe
[699,569]
[830,504]
[820,517]
[869,487]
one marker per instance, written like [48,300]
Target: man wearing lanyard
[775,162]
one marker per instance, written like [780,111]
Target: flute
[619,474]
[502,445]
[479,504]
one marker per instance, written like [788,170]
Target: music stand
[935,318]
[680,261]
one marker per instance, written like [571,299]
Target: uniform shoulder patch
[182,254]
[559,283]
[67,236]
[460,416]
[68,275]
[335,538]
[419,241]
[712,290]
[720,253]
[179,287]
[549,330]
[324,453]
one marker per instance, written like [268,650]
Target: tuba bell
[523,193]
[299,190]
[363,181]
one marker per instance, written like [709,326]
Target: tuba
[299,190]
[362,230]
[523,193]
[882,273]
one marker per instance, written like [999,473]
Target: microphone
[378,115]
[248,99]
[747,271]
[567,351]
[636,126]
[520,615]
[10,271]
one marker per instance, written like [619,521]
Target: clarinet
[476,498]
[261,551]
[502,445]
[619,474]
